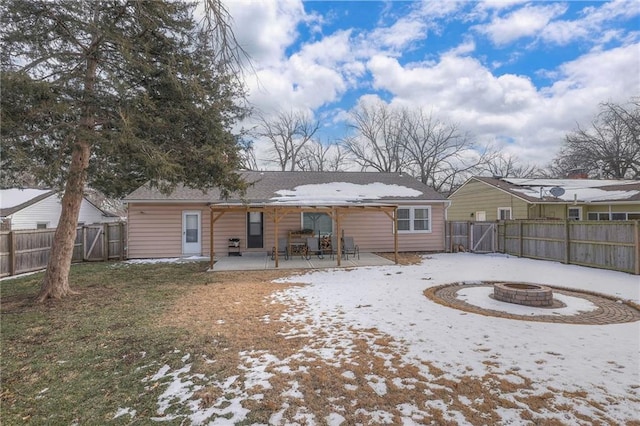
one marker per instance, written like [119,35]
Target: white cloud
[466,47]
[527,21]
[266,28]
[591,25]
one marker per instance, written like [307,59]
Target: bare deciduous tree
[247,154]
[288,133]
[319,157]
[610,148]
[509,166]
[437,153]
[440,154]
[377,143]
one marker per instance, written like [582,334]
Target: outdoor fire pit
[523,294]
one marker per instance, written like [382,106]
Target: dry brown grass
[233,310]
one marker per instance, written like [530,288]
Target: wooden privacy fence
[608,245]
[28,250]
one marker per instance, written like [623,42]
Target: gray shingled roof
[264,186]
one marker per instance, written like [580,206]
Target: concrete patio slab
[260,261]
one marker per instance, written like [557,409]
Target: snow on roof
[14,197]
[574,189]
[342,193]
[572,183]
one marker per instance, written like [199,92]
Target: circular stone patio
[609,310]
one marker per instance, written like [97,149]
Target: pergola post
[214,219]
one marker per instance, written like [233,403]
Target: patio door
[255,230]
[191,233]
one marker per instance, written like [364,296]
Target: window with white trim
[414,219]
[504,213]
[613,216]
[575,213]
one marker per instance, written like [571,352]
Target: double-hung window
[504,213]
[414,219]
[575,213]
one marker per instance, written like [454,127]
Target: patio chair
[349,247]
[313,247]
[283,249]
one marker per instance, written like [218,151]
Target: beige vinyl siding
[155,230]
[374,232]
[477,196]
[229,225]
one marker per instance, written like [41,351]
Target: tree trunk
[55,284]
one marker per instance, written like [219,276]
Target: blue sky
[515,74]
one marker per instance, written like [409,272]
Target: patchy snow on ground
[340,306]
[161,260]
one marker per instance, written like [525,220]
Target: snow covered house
[41,208]
[362,205]
[491,198]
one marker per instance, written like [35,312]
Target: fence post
[469,236]
[637,241]
[12,254]
[121,236]
[105,242]
[504,236]
[567,242]
[84,243]
[520,239]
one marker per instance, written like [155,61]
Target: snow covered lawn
[375,350]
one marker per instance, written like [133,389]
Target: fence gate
[479,237]
[93,242]
[483,237]
[103,242]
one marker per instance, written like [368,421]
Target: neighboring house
[489,199]
[41,208]
[359,204]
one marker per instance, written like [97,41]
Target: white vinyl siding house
[42,209]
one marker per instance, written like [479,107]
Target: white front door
[191,233]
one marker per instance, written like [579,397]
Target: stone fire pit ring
[610,309]
[526,294]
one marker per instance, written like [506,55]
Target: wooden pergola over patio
[277,212]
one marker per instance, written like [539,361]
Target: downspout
[446,219]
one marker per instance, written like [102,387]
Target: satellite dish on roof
[556,191]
